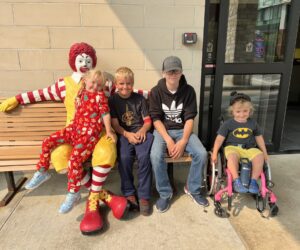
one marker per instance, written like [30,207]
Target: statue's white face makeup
[83,63]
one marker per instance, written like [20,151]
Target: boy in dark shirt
[173,108]
[131,120]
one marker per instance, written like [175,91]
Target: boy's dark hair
[235,96]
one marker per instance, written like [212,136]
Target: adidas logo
[173,113]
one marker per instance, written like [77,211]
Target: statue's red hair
[80,48]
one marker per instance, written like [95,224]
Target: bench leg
[171,176]
[12,187]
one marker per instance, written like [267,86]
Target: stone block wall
[35,36]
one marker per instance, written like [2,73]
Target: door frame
[221,68]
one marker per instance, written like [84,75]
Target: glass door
[291,132]
[249,49]
[212,13]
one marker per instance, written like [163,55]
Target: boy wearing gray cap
[173,108]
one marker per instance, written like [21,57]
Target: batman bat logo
[242,133]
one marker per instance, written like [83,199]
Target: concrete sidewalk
[32,221]
[283,231]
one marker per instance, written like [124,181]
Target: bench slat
[25,134]
[17,162]
[40,104]
[20,149]
[27,129]
[181,159]
[45,105]
[32,124]
[37,110]
[20,143]
[23,138]
[61,114]
[15,119]
[19,168]
[20,156]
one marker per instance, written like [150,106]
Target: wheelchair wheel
[213,174]
[274,209]
[229,201]
[267,172]
[204,187]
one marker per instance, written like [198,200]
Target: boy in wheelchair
[241,135]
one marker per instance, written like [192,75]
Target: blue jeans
[126,156]
[199,159]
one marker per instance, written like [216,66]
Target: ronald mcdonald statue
[82,57]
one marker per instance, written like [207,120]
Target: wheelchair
[219,184]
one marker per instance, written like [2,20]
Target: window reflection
[256,31]
[213,22]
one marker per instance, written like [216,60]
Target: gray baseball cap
[171,63]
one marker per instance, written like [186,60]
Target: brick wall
[35,36]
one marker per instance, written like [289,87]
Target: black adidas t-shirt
[240,133]
[129,111]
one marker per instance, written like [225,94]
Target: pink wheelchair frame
[218,175]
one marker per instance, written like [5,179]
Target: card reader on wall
[189,38]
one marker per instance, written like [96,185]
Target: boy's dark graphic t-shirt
[129,111]
[236,133]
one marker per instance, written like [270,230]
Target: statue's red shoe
[118,204]
[92,221]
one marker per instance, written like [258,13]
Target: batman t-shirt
[236,133]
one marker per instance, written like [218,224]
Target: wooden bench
[21,133]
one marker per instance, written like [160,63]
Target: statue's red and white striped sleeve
[109,88]
[144,93]
[55,92]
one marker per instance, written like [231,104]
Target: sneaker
[71,200]
[197,198]
[38,179]
[162,205]
[134,206]
[238,186]
[144,207]
[253,187]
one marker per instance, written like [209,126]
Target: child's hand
[110,134]
[178,149]
[266,157]
[141,135]
[214,158]
[170,146]
[77,102]
[131,137]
